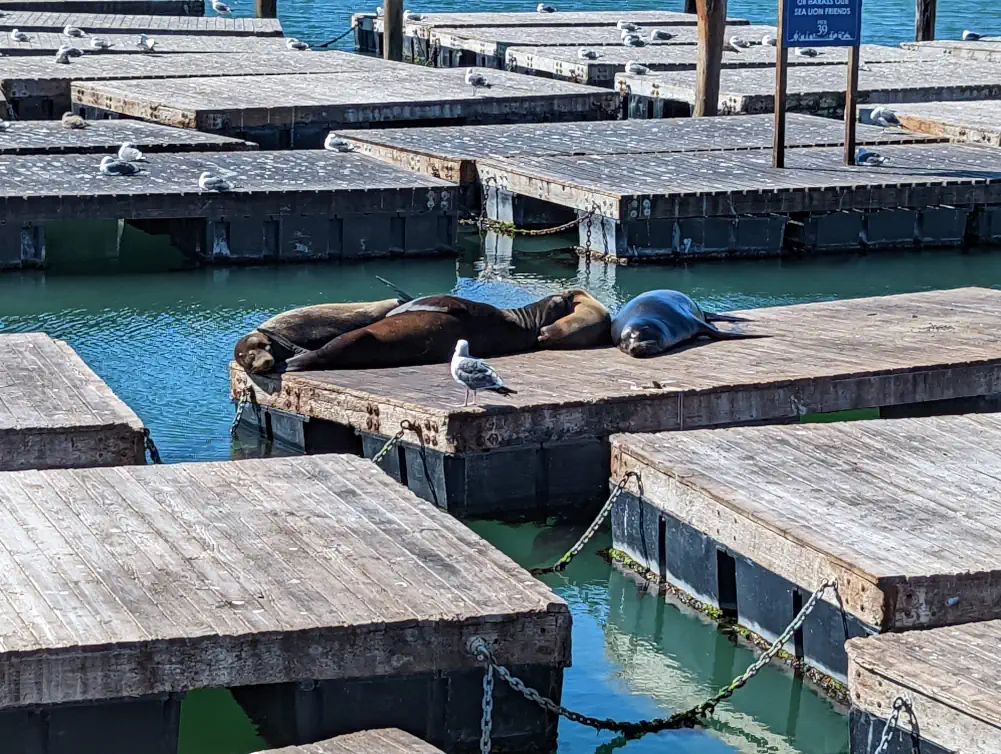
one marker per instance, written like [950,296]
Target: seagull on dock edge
[885,117]
[866,157]
[476,79]
[112,166]
[210,182]
[475,374]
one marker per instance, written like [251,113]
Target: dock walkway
[982,49]
[123,7]
[284,206]
[383,741]
[124,43]
[948,676]
[106,23]
[901,513]
[56,413]
[547,446]
[317,587]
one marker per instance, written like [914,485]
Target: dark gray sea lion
[656,321]
[425,331]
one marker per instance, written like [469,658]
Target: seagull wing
[477,375]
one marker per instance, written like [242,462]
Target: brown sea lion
[588,325]
[425,331]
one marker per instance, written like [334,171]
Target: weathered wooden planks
[106,23]
[47,42]
[821,89]
[23,137]
[451,152]
[56,413]
[383,741]
[981,49]
[130,7]
[975,122]
[948,677]
[294,579]
[301,109]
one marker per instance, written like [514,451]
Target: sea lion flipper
[716,317]
[716,334]
[403,295]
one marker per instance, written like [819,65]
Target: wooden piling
[392,19]
[781,83]
[267,8]
[924,20]
[851,99]
[712,23]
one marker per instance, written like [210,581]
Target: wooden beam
[851,101]
[924,20]
[392,25]
[712,27]
[781,78]
[267,8]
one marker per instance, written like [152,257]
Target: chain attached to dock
[408,426]
[633,729]
[241,404]
[899,704]
[589,533]
[483,222]
[150,447]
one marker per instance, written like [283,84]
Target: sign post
[818,23]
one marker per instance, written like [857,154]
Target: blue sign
[823,23]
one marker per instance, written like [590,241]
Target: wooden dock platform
[383,741]
[107,23]
[949,679]
[451,152]
[56,413]
[564,63]
[973,122]
[899,512]
[285,206]
[815,89]
[47,42]
[123,7]
[981,49]
[317,589]
[701,205]
[548,443]
[300,110]
[23,137]
[38,87]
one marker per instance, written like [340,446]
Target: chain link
[407,426]
[572,553]
[391,443]
[899,704]
[686,719]
[487,718]
[508,229]
[241,404]
[150,446]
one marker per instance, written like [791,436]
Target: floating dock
[38,87]
[752,520]
[108,23]
[45,43]
[384,741]
[973,122]
[700,205]
[123,7]
[318,590]
[819,90]
[277,111]
[547,446]
[56,413]
[981,49]
[284,206]
[23,137]
[947,676]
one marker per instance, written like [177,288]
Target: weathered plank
[56,413]
[560,18]
[132,7]
[382,741]
[106,23]
[975,122]
[303,108]
[948,676]
[451,152]
[981,49]
[821,89]
[47,42]
[24,137]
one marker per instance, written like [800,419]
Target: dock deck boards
[131,7]
[381,741]
[821,90]
[55,412]
[250,572]
[698,184]
[981,49]
[23,137]
[948,675]
[822,357]
[107,23]
[451,152]
[975,122]
[315,103]
[561,18]
[46,43]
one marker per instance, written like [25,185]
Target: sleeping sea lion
[588,324]
[657,321]
[425,331]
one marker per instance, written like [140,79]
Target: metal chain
[240,406]
[686,719]
[405,426]
[150,446]
[390,444]
[508,229]
[570,554]
[899,704]
[487,718]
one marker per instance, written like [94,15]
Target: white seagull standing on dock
[865,157]
[737,44]
[295,44]
[69,120]
[128,153]
[971,36]
[100,44]
[335,143]
[585,54]
[65,52]
[73,31]
[769,40]
[211,182]
[476,79]
[111,166]
[146,43]
[543,8]
[475,374]
[636,68]
[18,36]
[883,116]
[660,34]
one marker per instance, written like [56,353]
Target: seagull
[294,44]
[475,374]
[100,44]
[221,8]
[335,143]
[543,8]
[18,36]
[806,52]
[145,43]
[475,79]
[63,55]
[883,116]
[971,36]
[634,67]
[585,54]
[409,15]
[209,182]
[737,44]
[70,120]
[70,50]
[656,34]
[4,125]
[379,11]
[626,26]
[863,66]
[73,31]
[128,153]
[769,40]
[111,166]
[631,40]
[865,157]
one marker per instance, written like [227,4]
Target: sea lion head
[642,338]
[253,353]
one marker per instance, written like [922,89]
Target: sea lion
[657,321]
[425,331]
[588,325]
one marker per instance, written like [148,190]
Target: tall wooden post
[392,30]
[924,20]
[781,78]
[267,8]
[690,6]
[712,27]
[851,105]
